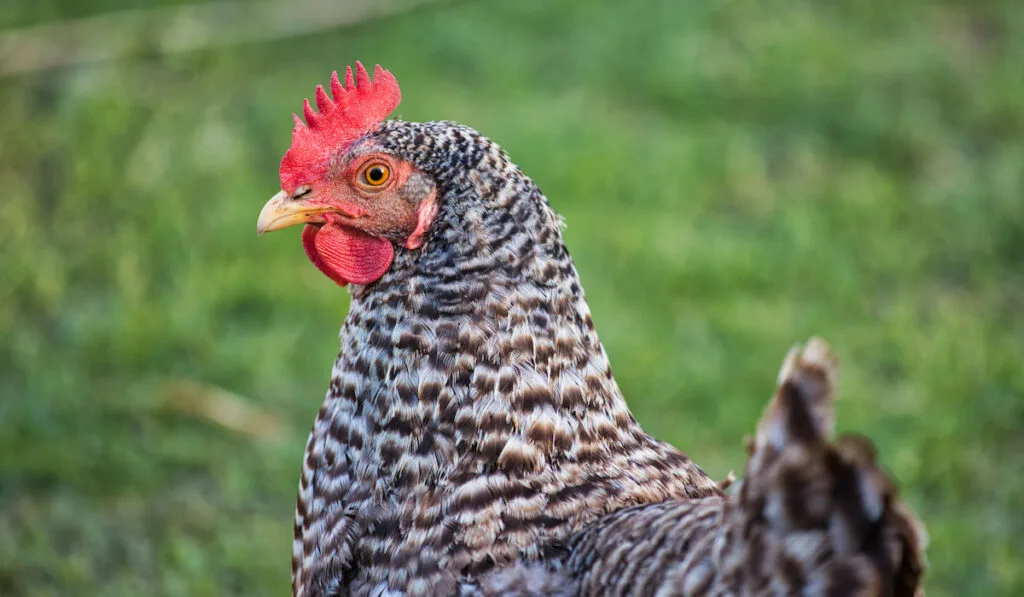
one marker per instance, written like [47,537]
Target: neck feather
[481,341]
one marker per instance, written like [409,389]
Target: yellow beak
[283,211]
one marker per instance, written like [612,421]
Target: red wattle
[347,255]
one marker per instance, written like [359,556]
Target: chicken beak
[283,211]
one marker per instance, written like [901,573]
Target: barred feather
[812,517]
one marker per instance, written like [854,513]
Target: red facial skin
[354,243]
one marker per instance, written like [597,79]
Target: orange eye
[376,174]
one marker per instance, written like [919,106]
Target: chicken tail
[817,514]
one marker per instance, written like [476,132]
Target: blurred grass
[736,176]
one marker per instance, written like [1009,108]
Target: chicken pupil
[376,174]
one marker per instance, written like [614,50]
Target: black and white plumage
[811,517]
[472,424]
[472,415]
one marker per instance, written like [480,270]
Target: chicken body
[472,416]
[473,440]
[812,517]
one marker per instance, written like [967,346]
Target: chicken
[810,518]
[472,421]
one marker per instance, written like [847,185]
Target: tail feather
[828,506]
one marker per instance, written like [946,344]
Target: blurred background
[736,176]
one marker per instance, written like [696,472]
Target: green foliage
[736,176]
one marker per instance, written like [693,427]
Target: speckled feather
[472,418]
[812,518]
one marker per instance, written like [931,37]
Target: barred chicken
[473,436]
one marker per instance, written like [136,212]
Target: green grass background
[736,176]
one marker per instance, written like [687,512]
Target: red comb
[357,107]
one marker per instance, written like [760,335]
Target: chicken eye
[376,174]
